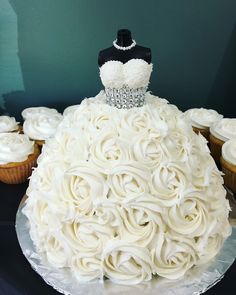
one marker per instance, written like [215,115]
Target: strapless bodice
[134,73]
[126,83]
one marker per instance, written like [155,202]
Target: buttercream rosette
[8,124]
[42,126]
[35,111]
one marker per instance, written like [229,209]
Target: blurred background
[49,49]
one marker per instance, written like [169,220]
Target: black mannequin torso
[124,39]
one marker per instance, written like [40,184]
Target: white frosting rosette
[155,100]
[173,256]
[169,182]
[169,114]
[108,150]
[45,231]
[41,127]
[51,171]
[8,124]
[15,147]
[178,146]
[124,263]
[202,118]
[103,119]
[70,109]
[190,217]
[147,148]
[92,122]
[57,250]
[202,165]
[87,239]
[35,111]
[82,188]
[133,123]
[218,205]
[208,247]
[229,151]
[139,226]
[43,223]
[69,144]
[224,129]
[128,181]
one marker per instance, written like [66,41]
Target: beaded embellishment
[125,97]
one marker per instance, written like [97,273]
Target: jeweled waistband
[125,97]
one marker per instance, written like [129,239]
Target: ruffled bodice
[126,83]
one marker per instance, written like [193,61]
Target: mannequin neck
[124,38]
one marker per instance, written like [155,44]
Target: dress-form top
[126,83]
[125,77]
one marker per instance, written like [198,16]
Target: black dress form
[124,39]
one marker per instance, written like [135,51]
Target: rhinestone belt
[125,97]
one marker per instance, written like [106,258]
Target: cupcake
[70,110]
[228,164]
[18,155]
[33,111]
[201,119]
[220,132]
[9,124]
[41,127]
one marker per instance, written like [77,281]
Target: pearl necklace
[124,48]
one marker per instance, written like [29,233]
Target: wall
[49,48]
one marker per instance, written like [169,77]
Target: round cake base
[196,281]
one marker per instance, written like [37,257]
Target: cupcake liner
[205,132]
[20,129]
[15,173]
[229,174]
[215,147]
[40,142]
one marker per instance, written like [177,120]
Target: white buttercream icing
[229,151]
[15,147]
[134,73]
[34,111]
[8,124]
[126,263]
[202,118]
[126,194]
[70,109]
[42,127]
[224,129]
[173,256]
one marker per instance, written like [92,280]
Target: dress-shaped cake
[126,190]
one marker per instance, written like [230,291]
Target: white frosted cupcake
[8,124]
[42,127]
[18,155]
[228,163]
[220,132]
[70,109]
[201,120]
[33,111]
